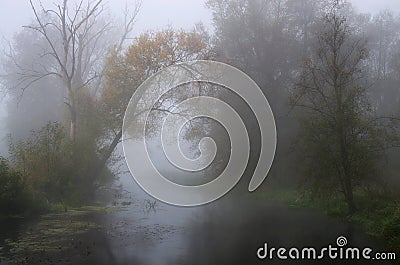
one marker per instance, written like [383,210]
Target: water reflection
[232,231]
[228,231]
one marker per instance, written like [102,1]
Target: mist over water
[228,231]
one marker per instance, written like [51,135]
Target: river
[143,231]
[228,231]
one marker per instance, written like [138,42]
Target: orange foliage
[149,53]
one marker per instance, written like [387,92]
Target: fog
[86,94]
[155,14]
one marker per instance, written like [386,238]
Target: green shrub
[15,197]
[391,230]
[56,170]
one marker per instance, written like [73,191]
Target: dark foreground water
[228,231]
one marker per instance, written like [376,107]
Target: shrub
[14,197]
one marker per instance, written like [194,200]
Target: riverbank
[138,231]
[378,216]
[57,237]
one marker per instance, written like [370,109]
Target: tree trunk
[349,196]
[346,164]
[107,154]
[72,131]
[348,187]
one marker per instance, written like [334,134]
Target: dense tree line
[330,74]
[73,91]
[331,77]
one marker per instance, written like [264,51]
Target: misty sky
[373,6]
[155,14]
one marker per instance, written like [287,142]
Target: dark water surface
[228,231]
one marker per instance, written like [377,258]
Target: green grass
[379,216]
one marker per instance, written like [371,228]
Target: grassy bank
[379,216]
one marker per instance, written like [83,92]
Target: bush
[42,161]
[391,230]
[14,196]
[54,169]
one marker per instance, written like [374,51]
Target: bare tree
[75,35]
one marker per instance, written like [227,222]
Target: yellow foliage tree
[148,54]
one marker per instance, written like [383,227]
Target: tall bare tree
[75,35]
